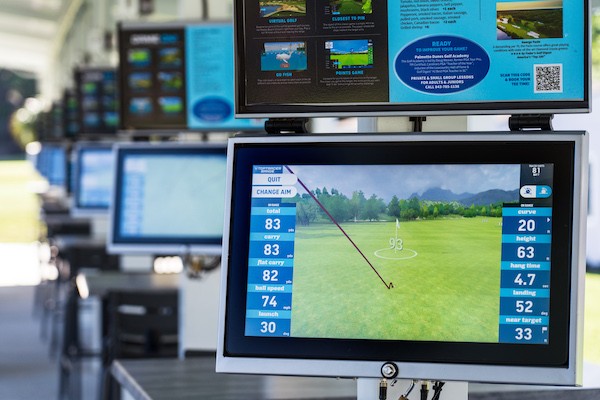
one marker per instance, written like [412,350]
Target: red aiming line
[389,286]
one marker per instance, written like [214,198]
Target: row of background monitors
[172,77]
[138,180]
[341,58]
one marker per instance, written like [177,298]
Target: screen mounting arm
[523,122]
[286,125]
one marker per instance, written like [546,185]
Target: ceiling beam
[28,26]
[64,26]
[25,9]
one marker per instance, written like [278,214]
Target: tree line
[360,208]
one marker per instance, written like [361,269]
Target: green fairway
[353,7]
[443,263]
[350,59]
[531,24]
[20,208]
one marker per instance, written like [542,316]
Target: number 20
[526,225]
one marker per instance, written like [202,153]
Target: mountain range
[479,199]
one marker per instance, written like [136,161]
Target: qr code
[548,78]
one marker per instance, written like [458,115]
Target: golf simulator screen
[178,76]
[94,172]
[418,251]
[315,58]
[96,100]
[168,199]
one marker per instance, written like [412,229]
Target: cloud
[403,180]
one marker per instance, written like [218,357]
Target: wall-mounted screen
[178,76]
[393,57]
[455,258]
[57,129]
[92,179]
[168,199]
[97,97]
[42,126]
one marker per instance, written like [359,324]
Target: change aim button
[274,191]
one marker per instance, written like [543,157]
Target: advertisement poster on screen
[392,53]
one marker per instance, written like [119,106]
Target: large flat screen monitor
[70,114]
[57,128]
[92,179]
[51,163]
[96,95]
[394,57]
[453,256]
[178,76]
[168,199]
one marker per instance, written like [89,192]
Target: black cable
[424,390]
[437,390]
[383,389]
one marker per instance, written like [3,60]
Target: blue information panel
[271,253]
[525,275]
[209,79]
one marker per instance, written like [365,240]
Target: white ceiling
[29,31]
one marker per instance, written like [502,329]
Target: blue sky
[347,46]
[386,181]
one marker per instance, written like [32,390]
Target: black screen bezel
[554,354]
[127,120]
[102,129]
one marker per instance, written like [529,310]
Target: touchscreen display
[440,252]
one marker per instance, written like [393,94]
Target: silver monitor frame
[156,248]
[569,376]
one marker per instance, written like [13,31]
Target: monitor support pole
[417,123]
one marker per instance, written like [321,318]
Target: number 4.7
[528,281]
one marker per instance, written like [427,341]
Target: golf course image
[444,276]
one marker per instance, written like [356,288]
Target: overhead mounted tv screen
[363,57]
[70,114]
[454,258]
[96,96]
[178,76]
